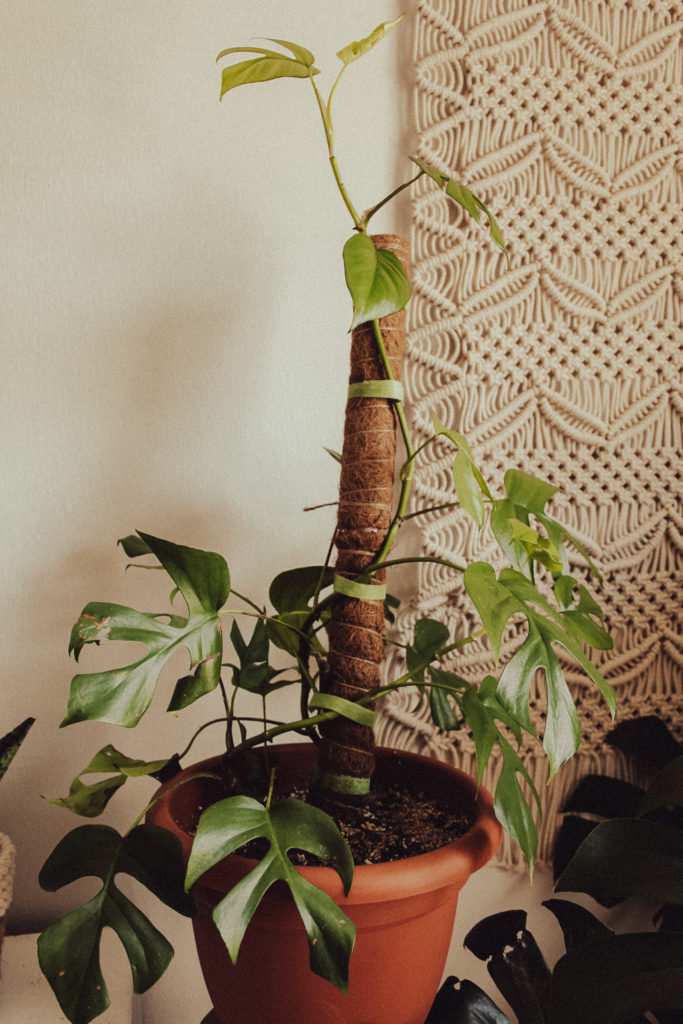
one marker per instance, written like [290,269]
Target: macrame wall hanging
[565,118]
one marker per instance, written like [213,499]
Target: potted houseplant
[9,745]
[331,624]
[603,977]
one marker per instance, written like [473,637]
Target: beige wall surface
[174,333]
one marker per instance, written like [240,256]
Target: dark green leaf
[514,962]
[202,577]
[628,857]
[10,743]
[463,1002]
[288,824]
[375,278]
[612,980]
[293,589]
[68,951]
[666,789]
[358,49]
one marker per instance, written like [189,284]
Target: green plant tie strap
[341,783]
[361,591]
[392,389]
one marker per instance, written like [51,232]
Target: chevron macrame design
[566,118]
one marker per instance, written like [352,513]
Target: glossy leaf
[358,49]
[515,963]
[628,857]
[121,696]
[466,199]
[293,589]
[288,824]
[463,1002]
[666,789]
[511,805]
[269,65]
[578,924]
[89,800]
[10,743]
[68,951]
[614,979]
[375,278]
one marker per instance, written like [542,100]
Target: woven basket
[7,861]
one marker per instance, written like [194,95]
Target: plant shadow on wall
[331,624]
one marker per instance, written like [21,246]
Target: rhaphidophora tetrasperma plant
[310,616]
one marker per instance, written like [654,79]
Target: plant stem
[329,136]
[387,199]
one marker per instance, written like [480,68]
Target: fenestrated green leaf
[358,49]
[68,951]
[537,548]
[345,708]
[288,824]
[458,192]
[269,65]
[515,963]
[121,696]
[89,800]
[614,979]
[628,857]
[497,600]
[375,278]
[10,743]
[510,803]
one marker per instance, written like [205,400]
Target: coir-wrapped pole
[356,651]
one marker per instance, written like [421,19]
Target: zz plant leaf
[68,951]
[287,824]
[121,696]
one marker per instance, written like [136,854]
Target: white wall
[174,346]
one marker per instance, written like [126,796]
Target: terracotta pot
[403,911]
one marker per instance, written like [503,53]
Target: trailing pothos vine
[294,623]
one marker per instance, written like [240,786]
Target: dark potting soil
[394,824]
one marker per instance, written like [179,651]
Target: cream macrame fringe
[566,119]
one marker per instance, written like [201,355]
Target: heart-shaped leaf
[68,951]
[287,825]
[375,278]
